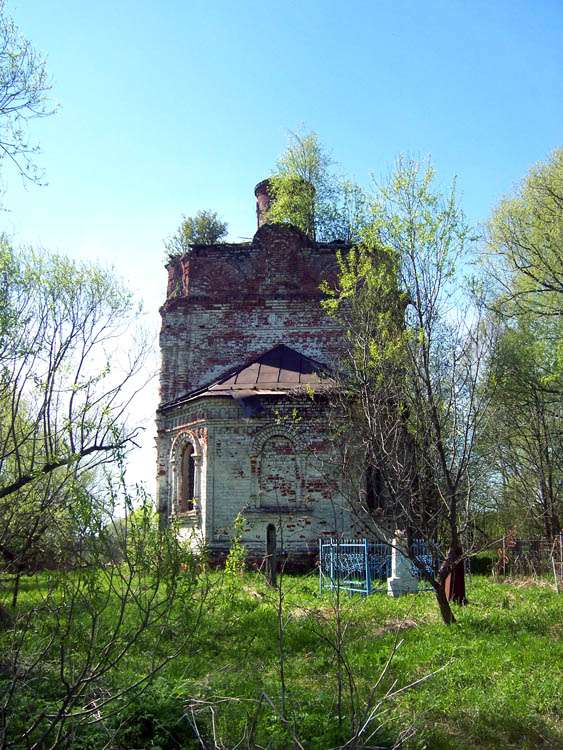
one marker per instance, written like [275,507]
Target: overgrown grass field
[496,674]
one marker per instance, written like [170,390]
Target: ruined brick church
[241,426]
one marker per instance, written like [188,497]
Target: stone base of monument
[402,580]
[398,586]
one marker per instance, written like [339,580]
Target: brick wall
[226,303]
[245,457]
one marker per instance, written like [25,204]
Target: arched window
[278,473]
[187,479]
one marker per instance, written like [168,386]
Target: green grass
[498,684]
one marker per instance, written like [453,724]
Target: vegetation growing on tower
[205,228]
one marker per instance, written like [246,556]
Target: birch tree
[414,354]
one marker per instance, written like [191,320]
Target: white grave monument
[402,580]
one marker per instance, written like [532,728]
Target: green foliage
[427,231]
[525,241]
[236,559]
[412,353]
[154,719]
[406,260]
[61,401]
[205,228]
[499,686]
[368,297]
[307,194]
[483,563]
[522,439]
[301,183]
[24,91]
[61,292]
[8,271]
[94,632]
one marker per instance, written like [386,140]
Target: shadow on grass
[501,731]
[27,584]
[522,622]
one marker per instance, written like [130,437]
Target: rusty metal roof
[274,372]
[280,368]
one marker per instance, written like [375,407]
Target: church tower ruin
[241,426]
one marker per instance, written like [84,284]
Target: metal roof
[280,368]
[273,373]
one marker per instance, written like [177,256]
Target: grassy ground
[498,685]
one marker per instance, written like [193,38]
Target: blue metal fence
[362,567]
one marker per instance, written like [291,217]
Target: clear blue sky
[172,106]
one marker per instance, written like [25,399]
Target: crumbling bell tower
[243,342]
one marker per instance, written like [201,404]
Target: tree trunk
[455,584]
[271,555]
[16,589]
[450,585]
[452,575]
[6,617]
[445,609]
[272,570]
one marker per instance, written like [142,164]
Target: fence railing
[530,557]
[362,567]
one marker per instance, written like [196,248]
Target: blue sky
[168,107]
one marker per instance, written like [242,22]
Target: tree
[306,193]
[205,228]
[408,398]
[65,388]
[522,442]
[115,578]
[523,254]
[525,243]
[91,637]
[24,95]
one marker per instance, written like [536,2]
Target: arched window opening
[187,479]
[278,484]
[374,489]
